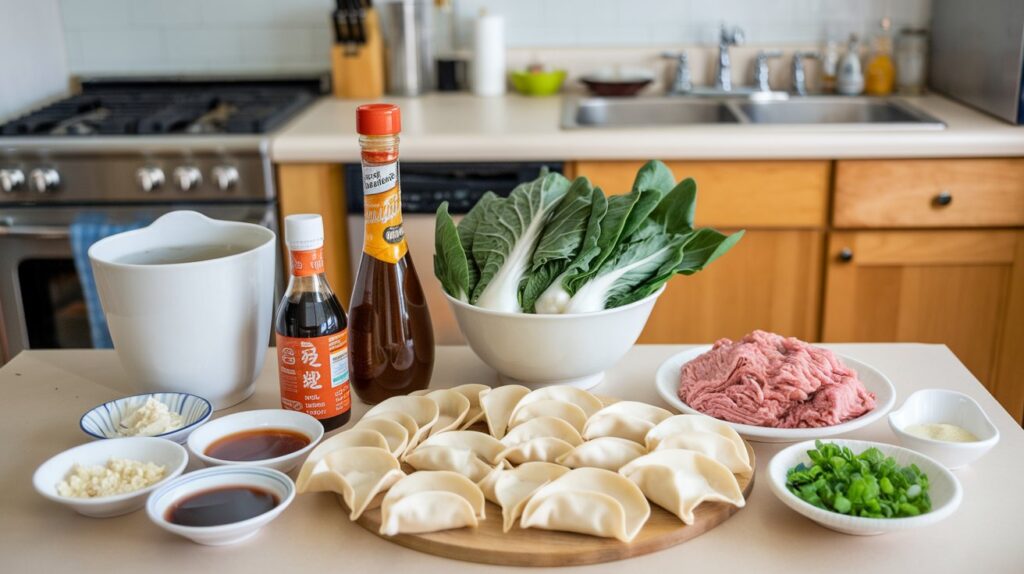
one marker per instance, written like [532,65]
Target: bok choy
[553,246]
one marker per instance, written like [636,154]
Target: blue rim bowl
[101,421]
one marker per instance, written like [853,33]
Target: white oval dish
[944,489]
[667,380]
[296,421]
[210,478]
[101,421]
[165,453]
[943,406]
[541,350]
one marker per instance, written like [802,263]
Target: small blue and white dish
[102,421]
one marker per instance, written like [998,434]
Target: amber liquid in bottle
[391,338]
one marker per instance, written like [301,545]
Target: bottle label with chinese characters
[310,262]
[314,374]
[382,204]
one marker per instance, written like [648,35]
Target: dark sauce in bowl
[224,505]
[259,444]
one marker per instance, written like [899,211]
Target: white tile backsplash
[190,36]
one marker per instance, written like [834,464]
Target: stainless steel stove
[124,152]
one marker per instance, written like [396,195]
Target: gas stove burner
[134,107]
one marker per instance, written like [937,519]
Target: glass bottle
[391,335]
[312,340]
[880,73]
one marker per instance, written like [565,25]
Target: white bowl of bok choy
[554,283]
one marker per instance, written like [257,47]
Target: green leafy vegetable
[868,484]
[450,263]
[467,231]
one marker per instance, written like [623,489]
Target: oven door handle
[35,231]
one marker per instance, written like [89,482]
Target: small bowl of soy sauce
[271,438]
[221,505]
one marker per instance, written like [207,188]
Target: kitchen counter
[45,392]
[462,127]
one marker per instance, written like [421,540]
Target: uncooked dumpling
[568,412]
[589,501]
[462,461]
[358,473]
[423,411]
[630,420]
[539,427]
[472,392]
[609,453]
[714,445]
[584,400]
[541,449]
[344,439]
[498,404]
[394,433]
[487,483]
[407,422]
[452,410]
[485,446]
[679,424]
[513,488]
[428,501]
[679,480]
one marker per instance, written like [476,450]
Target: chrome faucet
[799,76]
[761,70]
[728,37]
[682,82]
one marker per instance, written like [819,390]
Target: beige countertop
[462,127]
[45,392]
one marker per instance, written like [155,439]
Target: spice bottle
[880,73]
[391,335]
[312,336]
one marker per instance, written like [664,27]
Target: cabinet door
[961,288]
[770,280]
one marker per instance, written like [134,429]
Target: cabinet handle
[942,199]
[846,255]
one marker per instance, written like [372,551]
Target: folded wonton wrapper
[344,439]
[680,424]
[583,399]
[394,433]
[357,473]
[713,445]
[497,405]
[568,412]
[609,452]
[422,410]
[428,501]
[680,480]
[513,488]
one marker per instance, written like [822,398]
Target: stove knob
[44,179]
[150,178]
[188,177]
[11,180]
[225,176]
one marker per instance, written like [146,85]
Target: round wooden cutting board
[533,547]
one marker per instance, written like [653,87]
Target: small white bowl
[295,421]
[950,407]
[210,478]
[541,350]
[944,489]
[170,455]
[101,422]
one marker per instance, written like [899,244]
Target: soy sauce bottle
[312,336]
[392,338]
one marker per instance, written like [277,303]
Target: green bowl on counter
[537,83]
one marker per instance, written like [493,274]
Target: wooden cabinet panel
[318,188]
[960,288]
[736,193]
[770,280]
[906,193]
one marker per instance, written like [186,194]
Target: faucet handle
[799,56]
[761,71]
[799,76]
[731,36]
[682,83]
[680,56]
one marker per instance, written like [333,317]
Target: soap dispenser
[850,80]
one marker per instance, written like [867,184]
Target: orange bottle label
[384,237]
[309,262]
[314,374]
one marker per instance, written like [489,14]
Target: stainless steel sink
[830,111]
[825,112]
[644,112]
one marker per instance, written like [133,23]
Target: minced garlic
[151,419]
[119,476]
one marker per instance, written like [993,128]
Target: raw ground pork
[769,380]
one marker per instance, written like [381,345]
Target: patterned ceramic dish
[944,489]
[102,422]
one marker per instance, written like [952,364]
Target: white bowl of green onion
[863,487]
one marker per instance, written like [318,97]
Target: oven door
[41,301]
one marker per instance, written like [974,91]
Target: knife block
[358,73]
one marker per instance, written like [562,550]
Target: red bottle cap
[378,119]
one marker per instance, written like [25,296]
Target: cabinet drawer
[736,193]
[929,193]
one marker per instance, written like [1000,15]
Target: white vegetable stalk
[554,299]
[502,293]
[593,295]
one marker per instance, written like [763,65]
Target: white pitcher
[200,326]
